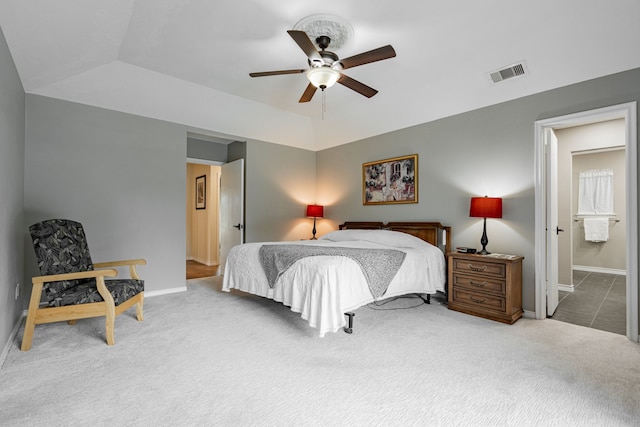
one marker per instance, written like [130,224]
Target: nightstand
[488,286]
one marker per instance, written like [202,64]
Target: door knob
[559,230]
[239,226]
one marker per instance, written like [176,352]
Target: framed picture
[390,181]
[201,192]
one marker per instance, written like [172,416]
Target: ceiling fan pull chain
[323,103]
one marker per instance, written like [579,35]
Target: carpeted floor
[209,358]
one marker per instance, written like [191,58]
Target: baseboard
[12,337]
[566,288]
[203,261]
[150,294]
[600,270]
[529,314]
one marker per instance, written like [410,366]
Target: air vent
[509,72]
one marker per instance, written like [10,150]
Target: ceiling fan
[325,67]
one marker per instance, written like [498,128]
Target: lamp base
[314,229]
[484,240]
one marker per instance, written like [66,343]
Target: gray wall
[12,118]
[488,151]
[122,176]
[206,150]
[280,182]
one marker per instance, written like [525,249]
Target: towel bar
[610,219]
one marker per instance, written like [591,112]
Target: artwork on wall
[390,181]
[201,192]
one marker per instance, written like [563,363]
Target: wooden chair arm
[129,262]
[92,274]
[119,263]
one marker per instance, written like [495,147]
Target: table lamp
[485,207]
[315,211]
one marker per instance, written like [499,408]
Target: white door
[552,222]
[231,209]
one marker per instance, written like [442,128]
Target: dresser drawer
[479,267]
[479,283]
[479,300]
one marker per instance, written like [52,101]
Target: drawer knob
[477,285]
[474,268]
[479,301]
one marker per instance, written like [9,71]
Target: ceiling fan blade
[307,46]
[353,84]
[308,93]
[276,73]
[374,55]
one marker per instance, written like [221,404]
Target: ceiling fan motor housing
[328,58]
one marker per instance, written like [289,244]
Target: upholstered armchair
[72,285]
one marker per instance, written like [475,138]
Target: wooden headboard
[432,232]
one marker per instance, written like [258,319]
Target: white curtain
[595,192]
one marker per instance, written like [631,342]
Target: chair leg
[30,324]
[110,310]
[139,305]
[29,328]
[110,326]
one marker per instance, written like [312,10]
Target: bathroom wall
[609,254]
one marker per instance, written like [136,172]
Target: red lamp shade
[315,211]
[486,207]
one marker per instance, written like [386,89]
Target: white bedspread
[323,288]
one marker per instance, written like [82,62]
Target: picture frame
[390,181]
[201,192]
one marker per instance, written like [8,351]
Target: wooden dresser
[486,286]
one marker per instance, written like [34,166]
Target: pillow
[383,237]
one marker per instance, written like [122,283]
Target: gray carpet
[205,357]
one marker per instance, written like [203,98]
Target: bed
[328,278]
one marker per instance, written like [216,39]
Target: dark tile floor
[598,301]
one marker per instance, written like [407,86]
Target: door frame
[628,112]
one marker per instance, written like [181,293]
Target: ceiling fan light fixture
[323,77]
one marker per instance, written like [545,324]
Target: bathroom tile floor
[598,301]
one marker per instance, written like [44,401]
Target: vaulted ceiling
[188,61]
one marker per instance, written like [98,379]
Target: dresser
[486,286]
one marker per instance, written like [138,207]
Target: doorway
[207,161]
[592,245]
[546,225]
[202,214]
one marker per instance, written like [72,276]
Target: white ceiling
[188,61]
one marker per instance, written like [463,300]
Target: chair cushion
[61,247]
[120,289]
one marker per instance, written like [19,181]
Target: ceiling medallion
[323,24]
